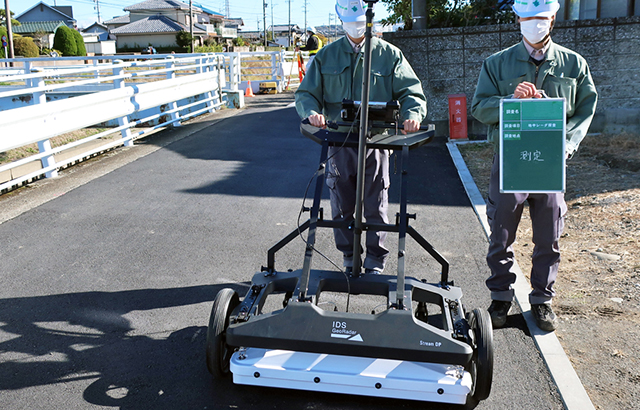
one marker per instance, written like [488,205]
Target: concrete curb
[571,390]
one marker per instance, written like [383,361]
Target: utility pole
[226,10]
[289,1]
[273,36]
[306,3]
[191,24]
[9,31]
[98,10]
[332,18]
[264,21]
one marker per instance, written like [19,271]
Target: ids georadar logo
[339,330]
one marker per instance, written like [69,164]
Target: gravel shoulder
[598,288]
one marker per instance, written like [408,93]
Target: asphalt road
[106,284]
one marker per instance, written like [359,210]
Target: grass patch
[32,149]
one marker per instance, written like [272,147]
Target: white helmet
[350,11]
[536,8]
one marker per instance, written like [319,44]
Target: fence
[118,92]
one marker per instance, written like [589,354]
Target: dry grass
[31,149]
[598,287]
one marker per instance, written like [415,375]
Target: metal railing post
[124,120]
[39,97]
[274,67]
[175,115]
[235,74]
[207,63]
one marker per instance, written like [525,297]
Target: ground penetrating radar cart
[422,346]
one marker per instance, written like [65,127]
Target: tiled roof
[153,24]
[34,26]
[159,5]
[118,20]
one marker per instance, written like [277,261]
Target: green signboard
[532,145]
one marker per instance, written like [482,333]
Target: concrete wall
[448,61]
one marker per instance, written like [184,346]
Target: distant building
[41,22]
[282,33]
[156,23]
[42,12]
[97,40]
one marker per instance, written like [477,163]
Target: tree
[81,50]
[25,47]
[451,13]
[183,39]
[400,12]
[3,18]
[65,41]
[39,39]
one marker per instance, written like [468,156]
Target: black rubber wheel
[218,352]
[481,366]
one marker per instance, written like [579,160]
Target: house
[117,22]
[156,23]
[285,34]
[42,32]
[234,23]
[97,40]
[41,22]
[42,12]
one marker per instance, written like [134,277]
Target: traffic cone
[248,92]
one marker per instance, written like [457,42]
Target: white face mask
[535,30]
[355,29]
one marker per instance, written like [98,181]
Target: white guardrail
[118,93]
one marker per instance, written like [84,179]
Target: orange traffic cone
[248,92]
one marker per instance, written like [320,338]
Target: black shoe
[544,316]
[498,311]
[369,271]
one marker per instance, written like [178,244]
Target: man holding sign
[533,68]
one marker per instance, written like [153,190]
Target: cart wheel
[481,366]
[218,352]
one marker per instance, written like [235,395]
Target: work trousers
[341,179]
[547,218]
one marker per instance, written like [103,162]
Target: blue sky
[249,10]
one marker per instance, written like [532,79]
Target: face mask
[355,29]
[535,30]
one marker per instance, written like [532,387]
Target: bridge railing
[118,94]
[122,93]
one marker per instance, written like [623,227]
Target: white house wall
[143,40]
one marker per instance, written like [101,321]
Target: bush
[81,49]
[238,41]
[65,41]
[216,48]
[183,39]
[25,47]
[3,32]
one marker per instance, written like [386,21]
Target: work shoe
[369,271]
[544,316]
[498,311]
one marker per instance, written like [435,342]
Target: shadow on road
[261,153]
[60,339]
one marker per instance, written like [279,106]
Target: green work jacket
[564,73]
[336,74]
